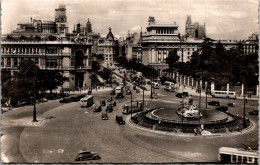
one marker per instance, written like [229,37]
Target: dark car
[74,99]
[89,92]
[103,103]
[253,112]
[120,120]
[119,96]
[137,91]
[112,92]
[186,94]
[109,109]
[231,104]
[128,92]
[180,95]
[104,116]
[51,96]
[112,103]
[214,103]
[65,100]
[109,99]
[97,108]
[86,155]
[222,109]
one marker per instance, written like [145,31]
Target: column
[5,62]
[173,75]
[201,84]
[242,90]
[177,76]
[188,82]
[197,85]
[212,87]
[257,90]
[184,77]
[227,87]
[206,85]
[12,62]
[192,82]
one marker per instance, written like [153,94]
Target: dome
[110,35]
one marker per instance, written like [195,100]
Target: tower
[61,19]
[110,35]
[188,24]
[88,27]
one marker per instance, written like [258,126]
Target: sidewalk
[203,94]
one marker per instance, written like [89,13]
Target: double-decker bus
[224,94]
[237,155]
[87,101]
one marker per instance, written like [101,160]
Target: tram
[237,155]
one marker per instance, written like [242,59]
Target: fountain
[191,112]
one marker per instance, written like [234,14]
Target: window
[51,63]
[15,62]
[8,61]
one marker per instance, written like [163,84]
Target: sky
[225,19]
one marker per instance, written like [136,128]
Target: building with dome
[107,46]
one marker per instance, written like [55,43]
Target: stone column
[206,85]
[257,90]
[177,77]
[197,85]
[192,82]
[188,81]
[242,90]
[12,62]
[184,80]
[173,75]
[227,87]
[5,62]
[212,87]
[201,84]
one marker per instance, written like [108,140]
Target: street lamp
[131,104]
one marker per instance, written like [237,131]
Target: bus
[118,90]
[168,83]
[237,155]
[87,101]
[224,94]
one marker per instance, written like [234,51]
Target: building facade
[68,53]
[194,30]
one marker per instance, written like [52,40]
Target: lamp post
[131,104]
[34,102]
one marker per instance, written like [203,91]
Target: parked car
[137,91]
[120,120]
[86,155]
[112,103]
[103,103]
[109,109]
[74,99]
[89,92]
[222,109]
[65,100]
[253,112]
[214,103]
[97,108]
[51,96]
[104,116]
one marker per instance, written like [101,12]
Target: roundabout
[190,120]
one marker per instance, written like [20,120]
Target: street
[65,129]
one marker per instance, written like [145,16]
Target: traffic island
[167,119]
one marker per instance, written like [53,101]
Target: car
[112,92]
[86,155]
[214,103]
[74,99]
[103,103]
[109,99]
[180,95]
[65,100]
[128,92]
[104,116]
[89,92]
[112,103]
[120,120]
[109,108]
[222,109]
[231,104]
[137,91]
[97,108]
[253,112]
[44,99]
[51,96]
[119,96]
[186,94]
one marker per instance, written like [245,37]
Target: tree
[172,58]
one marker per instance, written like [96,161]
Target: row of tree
[215,63]
[28,81]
